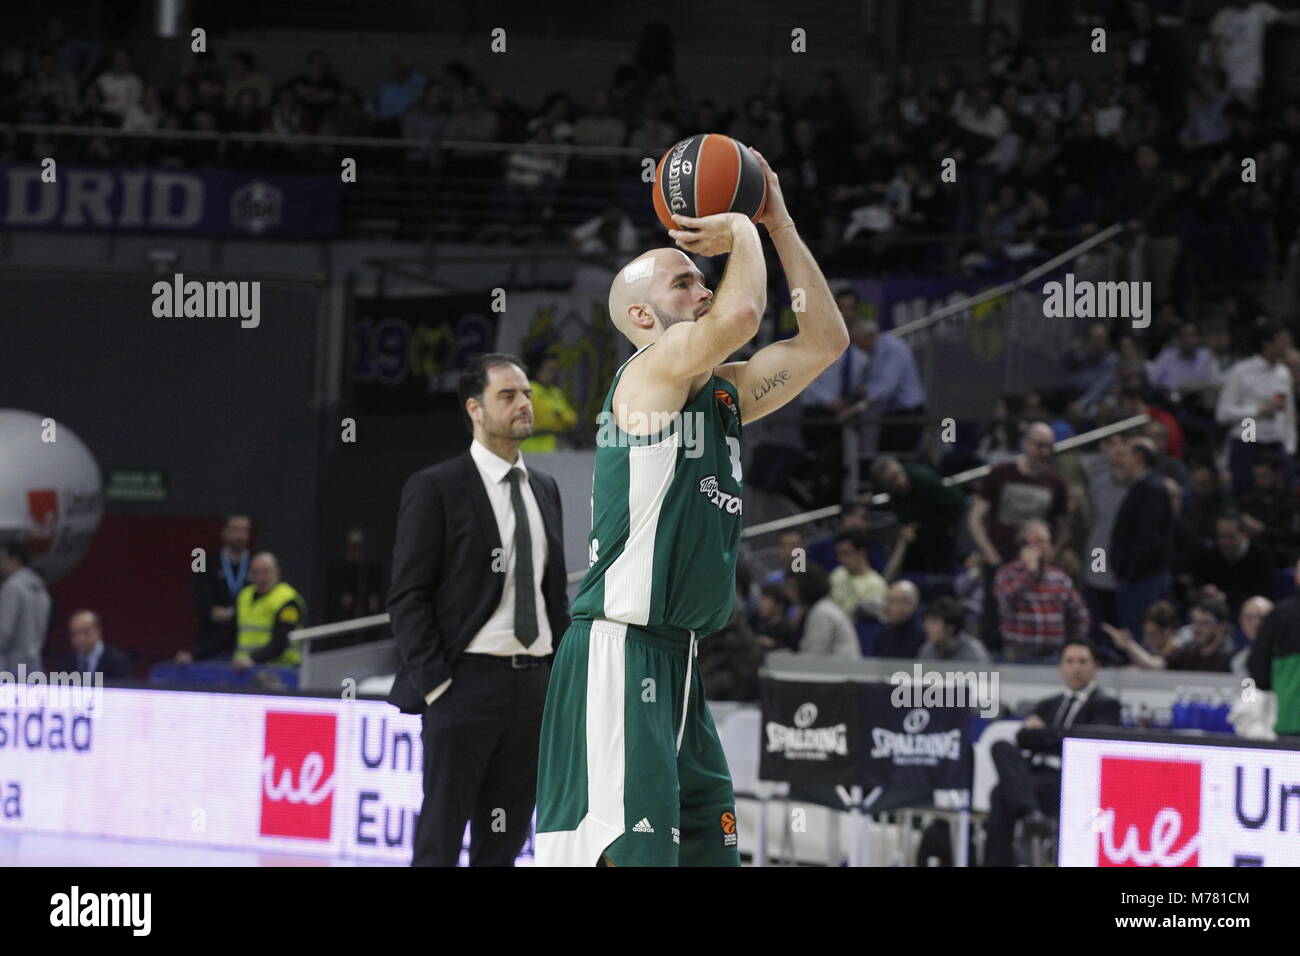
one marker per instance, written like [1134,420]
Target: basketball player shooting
[631,769]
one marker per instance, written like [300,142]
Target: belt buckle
[515,662]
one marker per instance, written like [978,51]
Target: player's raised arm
[780,371]
[688,349]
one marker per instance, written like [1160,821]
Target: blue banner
[197,202]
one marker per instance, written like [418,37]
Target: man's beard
[514,430]
[667,319]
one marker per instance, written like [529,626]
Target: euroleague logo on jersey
[724,398]
[731,504]
[728,823]
[298,775]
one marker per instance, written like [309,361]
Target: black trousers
[1021,788]
[480,764]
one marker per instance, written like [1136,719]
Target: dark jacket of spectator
[112,663]
[1139,545]
[901,640]
[1251,573]
[729,661]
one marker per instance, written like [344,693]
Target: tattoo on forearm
[771,382]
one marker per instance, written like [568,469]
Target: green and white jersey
[665,516]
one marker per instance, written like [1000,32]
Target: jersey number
[733,446]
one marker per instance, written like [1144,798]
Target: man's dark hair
[1233,515]
[777,593]
[1267,458]
[16,550]
[812,583]
[1161,614]
[1217,607]
[1265,332]
[1145,450]
[474,380]
[881,465]
[856,539]
[1080,642]
[948,610]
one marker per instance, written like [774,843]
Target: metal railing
[455,189]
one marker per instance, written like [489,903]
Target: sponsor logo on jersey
[724,398]
[731,504]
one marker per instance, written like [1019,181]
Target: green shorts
[630,763]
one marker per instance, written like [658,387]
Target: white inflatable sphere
[51,494]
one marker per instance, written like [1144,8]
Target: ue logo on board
[298,775]
[1150,813]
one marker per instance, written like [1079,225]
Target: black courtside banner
[809,732]
[912,748]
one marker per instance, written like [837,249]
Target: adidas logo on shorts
[643,826]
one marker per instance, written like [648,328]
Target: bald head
[264,571]
[1038,443]
[655,290]
[901,600]
[1253,612]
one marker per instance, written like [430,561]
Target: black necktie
[1063,715]
[525,603]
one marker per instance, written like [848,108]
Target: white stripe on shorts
[603,822]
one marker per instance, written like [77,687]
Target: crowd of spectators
[1043,152]
[1165,545]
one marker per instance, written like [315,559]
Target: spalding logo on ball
[50,491]
[705,175]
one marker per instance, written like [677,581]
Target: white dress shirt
[1250,383]
[497,635]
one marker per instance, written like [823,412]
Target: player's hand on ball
[707,235]
[774,211]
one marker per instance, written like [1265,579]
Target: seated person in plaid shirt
[1038,606]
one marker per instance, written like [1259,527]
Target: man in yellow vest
[265,612]
[553,416]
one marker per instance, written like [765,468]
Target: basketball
[707,174]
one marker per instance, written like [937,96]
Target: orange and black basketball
[708,174]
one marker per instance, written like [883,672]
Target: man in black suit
[1141,543]
[89,653]
[475,647]
[1029,772]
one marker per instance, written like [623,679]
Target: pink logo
[1150,813]
[298,775]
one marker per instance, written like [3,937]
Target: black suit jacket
[443,588]
[1100,709]
[1143,535]
[112,663]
